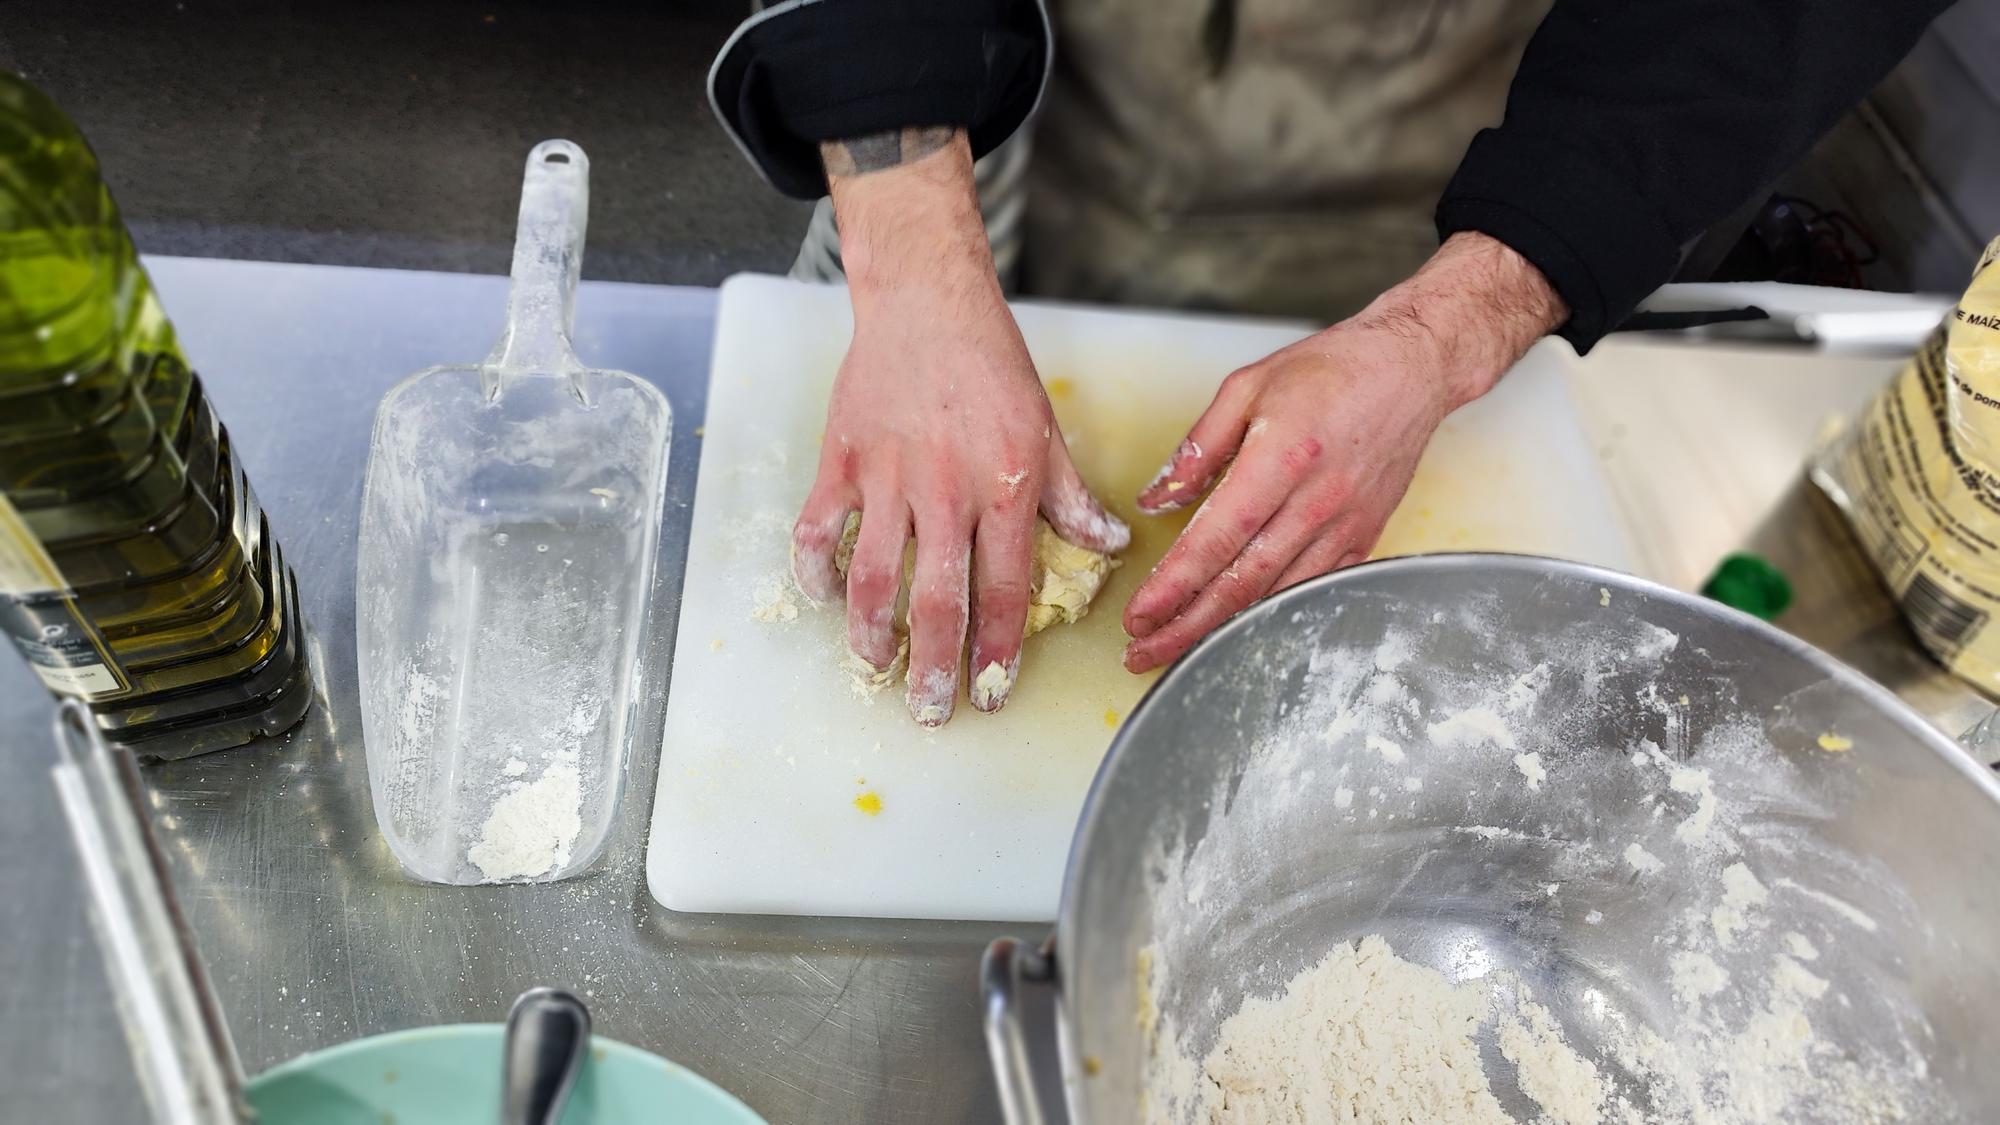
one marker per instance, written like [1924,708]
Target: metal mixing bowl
[1243,823]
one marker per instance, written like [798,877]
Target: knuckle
[936,608]
[1301,456]
[1003,599]
[1238,584]
[1215,552]
[872,582]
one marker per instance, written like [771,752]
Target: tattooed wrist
[875,152]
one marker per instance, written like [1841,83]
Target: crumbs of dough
[866,680]
[773,601]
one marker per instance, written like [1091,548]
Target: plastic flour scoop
[508,531]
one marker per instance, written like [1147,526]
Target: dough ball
[1065,580]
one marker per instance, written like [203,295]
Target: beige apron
[1290,167]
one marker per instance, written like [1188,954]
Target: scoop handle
[548,257]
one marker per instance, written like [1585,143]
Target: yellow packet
[1918,476]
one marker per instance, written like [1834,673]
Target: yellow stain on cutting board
[870,803]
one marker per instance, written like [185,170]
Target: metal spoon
[548,1031]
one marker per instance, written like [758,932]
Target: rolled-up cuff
[1596,239]
[807,71]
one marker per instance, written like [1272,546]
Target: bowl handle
[1982,740]
[1006,965]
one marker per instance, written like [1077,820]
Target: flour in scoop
[532,827]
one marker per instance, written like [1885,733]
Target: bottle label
[36,610]
[64,651]
[25,567]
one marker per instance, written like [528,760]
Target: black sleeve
[807,71]
[1633,125]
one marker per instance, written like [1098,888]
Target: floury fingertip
[932,694]
[993,684]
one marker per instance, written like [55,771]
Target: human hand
[939,425]
[1316,444]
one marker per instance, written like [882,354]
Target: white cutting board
[767,748]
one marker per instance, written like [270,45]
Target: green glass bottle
[136,570]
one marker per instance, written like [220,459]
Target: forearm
[1476,305]
[909,213]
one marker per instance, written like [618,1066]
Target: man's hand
[1316,444]
[937,425]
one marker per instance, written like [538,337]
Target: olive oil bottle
[136,570]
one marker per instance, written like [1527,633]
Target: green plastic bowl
[446,1075]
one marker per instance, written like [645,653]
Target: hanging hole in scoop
[556,158]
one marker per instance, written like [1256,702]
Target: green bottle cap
[1750,584]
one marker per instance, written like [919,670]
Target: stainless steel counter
[313,935]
